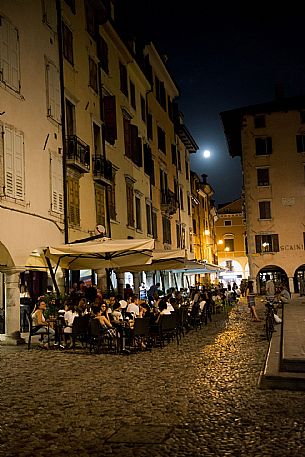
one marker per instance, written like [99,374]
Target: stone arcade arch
[275,272]
[299,280]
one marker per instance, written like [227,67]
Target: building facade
[204,216]
[231,235]
[269,138]
[92,142]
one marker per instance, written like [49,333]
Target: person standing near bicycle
[270,288]
[251,301]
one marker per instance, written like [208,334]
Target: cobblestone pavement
[198,399]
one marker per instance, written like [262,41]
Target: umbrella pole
[175,279]
[109,282]
[188,283]
[52,276]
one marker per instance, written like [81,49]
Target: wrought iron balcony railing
[77,153]
[102,168]
[169,202]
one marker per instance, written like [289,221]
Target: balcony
[77,154]
[169,204]
[102,169]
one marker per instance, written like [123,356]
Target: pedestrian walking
[251,301]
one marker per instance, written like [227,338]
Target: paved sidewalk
[200,398]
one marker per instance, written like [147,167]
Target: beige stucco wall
[286,191]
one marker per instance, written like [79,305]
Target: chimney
[204,178]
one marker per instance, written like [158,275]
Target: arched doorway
[276,273]
[299,279]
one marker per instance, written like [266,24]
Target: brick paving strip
[196,399]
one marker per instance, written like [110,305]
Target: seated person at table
[133,307]
[105,323]
[106,311]
[69,318]
[40,324]
[117,313]
[81,308]
[163,309]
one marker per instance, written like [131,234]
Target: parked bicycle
[269,318]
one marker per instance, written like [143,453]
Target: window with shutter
[57,203]
[130,204]
[267,243]
[263,146]
[53,92]
[132,94]
[265,210]
[13,163]
[110,119]
[154,224]
[100,205]
[148,219]
[123,79]
[102,53]
[127,138]
[161,140]
[67,43]
[149,126]
[93,82]
[9,55]
[166,225]
[263,177]
[73,201]
[111,198]
[138,213]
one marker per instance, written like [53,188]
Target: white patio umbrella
[161,260]
[102,253]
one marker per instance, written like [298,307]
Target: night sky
[222,58]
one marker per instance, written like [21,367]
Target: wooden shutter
[57,203]
[100,206]
[53,92]
[73,201]
[110,119]
[258,244]
[127,137]
[9,52]
[4,50]
[14,59]
[9,162]
[133,142]
[275,243]
[19,165]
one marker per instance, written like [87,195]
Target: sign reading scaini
[292,247]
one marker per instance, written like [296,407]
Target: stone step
[293,339]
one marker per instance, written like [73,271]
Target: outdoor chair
[140,335]
[168,328]
[33,331]
[195,317]
[80,330]
[101,338]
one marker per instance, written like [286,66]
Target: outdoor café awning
[102,253]
[199,267]
[175,260]
[161,260]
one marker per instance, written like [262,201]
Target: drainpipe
[63,131]
[63,118]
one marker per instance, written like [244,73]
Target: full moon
[206,153]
